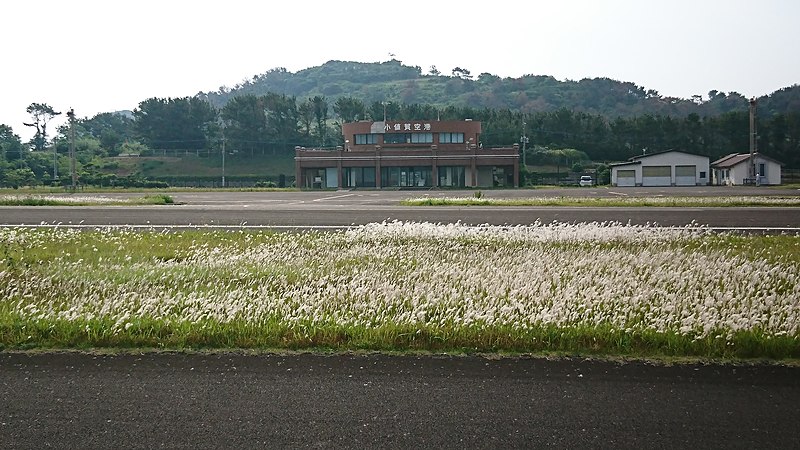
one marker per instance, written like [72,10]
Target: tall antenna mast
[753,149]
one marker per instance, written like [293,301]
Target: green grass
[81,200]
[154,199]
[595,341]
[480,200]
[41,190]
[238,164]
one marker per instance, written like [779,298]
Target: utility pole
[223,154]
[71,115]
[55,160]
[524,139]
[753,150]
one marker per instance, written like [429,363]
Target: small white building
[734,169]
[668,168]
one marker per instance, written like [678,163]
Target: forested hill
[394,82]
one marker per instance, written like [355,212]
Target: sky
[103,56]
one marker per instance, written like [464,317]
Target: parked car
[586,180]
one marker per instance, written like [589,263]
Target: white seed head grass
[422,275]
[65,199]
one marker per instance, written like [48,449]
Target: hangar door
[626,178]
[656,176]
[685,175]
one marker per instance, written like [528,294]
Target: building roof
[629,163]
[738,158]
[638,159]
[731,160]
[635,158]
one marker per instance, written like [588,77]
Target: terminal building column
[299,183]
[339,170]
[434,167]
[474,167]
[378,181]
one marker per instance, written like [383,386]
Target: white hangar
[668,168]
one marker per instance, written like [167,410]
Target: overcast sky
[102,56]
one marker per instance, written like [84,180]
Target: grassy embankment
[549,289]
[188,166]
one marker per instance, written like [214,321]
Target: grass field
[730,201]
[589,289]
[80,200]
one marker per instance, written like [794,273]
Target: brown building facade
[410,153]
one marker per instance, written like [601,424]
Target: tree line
[394,81]
[274,124]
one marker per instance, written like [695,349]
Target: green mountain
[181,140]
[394,82]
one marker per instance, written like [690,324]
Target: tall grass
[595,288]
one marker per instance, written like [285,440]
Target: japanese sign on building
[399,126]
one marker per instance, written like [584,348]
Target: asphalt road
[371,401]
[343,208]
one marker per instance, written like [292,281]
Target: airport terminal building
[408,154]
